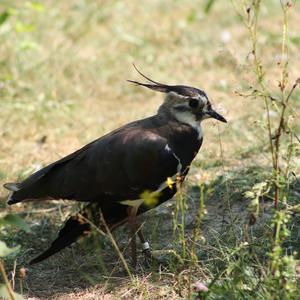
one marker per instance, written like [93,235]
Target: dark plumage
[121,165]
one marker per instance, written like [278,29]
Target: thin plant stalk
[113,241]
[6,281]
[276,128]
[116,247]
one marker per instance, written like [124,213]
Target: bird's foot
[148,258]
[147,255]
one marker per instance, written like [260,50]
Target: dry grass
[63,71]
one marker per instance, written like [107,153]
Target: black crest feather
[183,90]
[157,86]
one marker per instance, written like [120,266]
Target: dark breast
[183,140]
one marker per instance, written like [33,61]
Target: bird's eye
[193,103]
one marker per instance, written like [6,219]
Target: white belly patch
[134,203]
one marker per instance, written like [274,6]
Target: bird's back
[117,166]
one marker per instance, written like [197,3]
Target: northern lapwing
[112,173]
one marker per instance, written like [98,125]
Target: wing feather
[118,166]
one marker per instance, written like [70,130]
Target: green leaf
[15,220]
[35,6]
[3,17]
[192,17]
[27,45]
[5,251]
[4,294]
[22,27]
[208,6]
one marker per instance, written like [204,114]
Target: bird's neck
[182,138]
[183,120]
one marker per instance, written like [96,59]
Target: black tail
[80,225]
[114,214]
[31,188]
[76,227]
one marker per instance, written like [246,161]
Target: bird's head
[187,104]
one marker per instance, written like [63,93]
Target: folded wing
[116,167]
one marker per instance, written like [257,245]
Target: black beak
[216,116]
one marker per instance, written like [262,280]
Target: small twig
[297,137]
[6,281]
[45,210]
[224,172]
[14,274]
[116,246]
[91,223]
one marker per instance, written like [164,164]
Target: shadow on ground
[94,261]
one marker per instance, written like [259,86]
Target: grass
[63,71]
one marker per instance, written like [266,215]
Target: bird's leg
[146,248]
[133,227]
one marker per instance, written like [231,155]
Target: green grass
[63,71]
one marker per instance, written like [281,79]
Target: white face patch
[189,118]
[180,107]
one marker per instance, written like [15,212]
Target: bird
[111,174]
